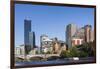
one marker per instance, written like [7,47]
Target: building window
[78,42]
[73,42]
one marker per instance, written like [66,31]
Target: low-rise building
[17,50]
[20,50]
[59,46]
[46,44]
[77,41]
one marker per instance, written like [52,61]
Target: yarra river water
[57,61]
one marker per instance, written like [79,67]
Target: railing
[39,55]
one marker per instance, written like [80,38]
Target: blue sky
[49,20]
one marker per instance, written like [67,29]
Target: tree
[48,52]
[83,54]
[73,52]
[37,52]
[86,49]
[63,54]
[32,52]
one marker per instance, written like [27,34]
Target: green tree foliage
[32,52]
[37,52]
[83,54]
[74,52]
[63,54]
[84,50]
[48,52]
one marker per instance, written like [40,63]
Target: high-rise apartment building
[88,32]
[70,32]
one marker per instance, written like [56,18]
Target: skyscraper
[27,29]
[88,31]
[32,39]
[70,32]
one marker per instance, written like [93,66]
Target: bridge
[37,55]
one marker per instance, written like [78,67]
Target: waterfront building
[85,33]
[63,46]
[77,41]
[92,36]
[17,50]
[70,32]
[20,50]
[88,31]
[75,36]
[79,35]
[45,43]
[27,29]
[32,39]
[58,46]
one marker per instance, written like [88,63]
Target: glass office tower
[32,39]
[27,29]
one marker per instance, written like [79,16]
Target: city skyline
[49,21]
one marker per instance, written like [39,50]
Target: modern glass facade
[32,39]
[27,29]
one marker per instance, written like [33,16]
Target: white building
[17,50]
[20,50]
[46,43]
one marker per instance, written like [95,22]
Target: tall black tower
[27,29]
